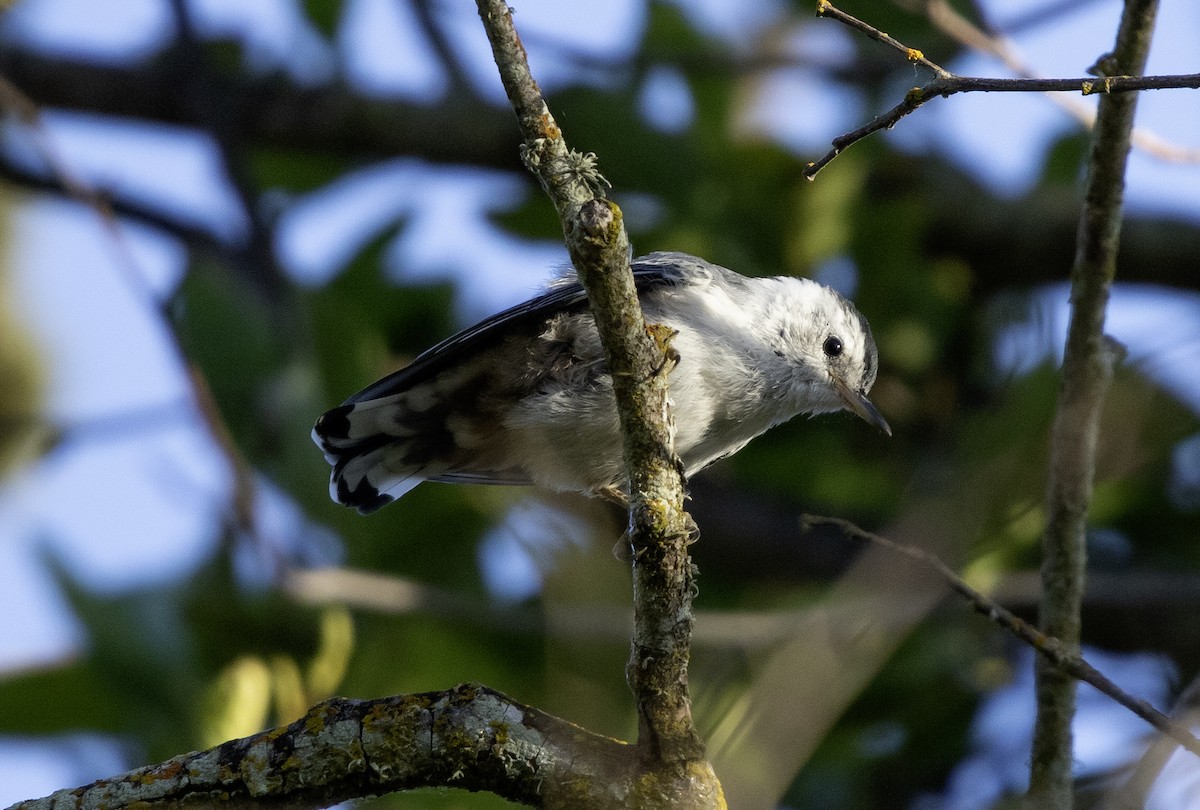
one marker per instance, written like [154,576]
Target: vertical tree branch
[1087,371]
[595,235]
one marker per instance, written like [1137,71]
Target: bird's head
[826,335]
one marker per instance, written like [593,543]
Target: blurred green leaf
[324,15]
[943,266]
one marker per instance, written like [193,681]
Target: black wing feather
[567,297]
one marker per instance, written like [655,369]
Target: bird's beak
[857,402]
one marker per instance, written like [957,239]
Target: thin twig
[425,11]
[732,632]
[24,108]
[827,9]
[102,199]
[946,19]
[1134,792]
[947,84]
[1050,648]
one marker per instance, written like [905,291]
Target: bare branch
[426,17]
[947,84]
[1134,793]
[469,737]
[193,236]
[827,9]
[947,20]
[737,631]
[1062,656]
[271,109]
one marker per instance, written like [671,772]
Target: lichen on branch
[659,525]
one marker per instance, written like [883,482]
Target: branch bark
[468,737]
[1087,372]
[671,750]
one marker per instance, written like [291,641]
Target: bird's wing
[391,435]
[649,272]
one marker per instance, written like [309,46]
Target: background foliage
[941,263]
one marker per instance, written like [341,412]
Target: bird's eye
[832,346]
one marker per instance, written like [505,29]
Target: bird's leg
[690,530]
[613,495]
[623,549]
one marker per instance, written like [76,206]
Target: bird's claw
[662,336]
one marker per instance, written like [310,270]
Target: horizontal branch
[946,84]
[194,236]
[56,175]
[1049,647]
[741,631]
[470,737]
[270,110]
[1088,86]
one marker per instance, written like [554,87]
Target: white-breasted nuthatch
[525,396]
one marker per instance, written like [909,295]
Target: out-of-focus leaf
[365,325]
[21,372]
[295,170]
[231,334]
[1064,159]
[62,698]
[324,15]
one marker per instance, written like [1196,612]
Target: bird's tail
[377,449]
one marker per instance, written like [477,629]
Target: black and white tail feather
[524,396]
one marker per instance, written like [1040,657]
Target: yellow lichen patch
[317,718]
[914,55]
[271,735]
[166,772]
[708,786]
[500,730]
[549,126]
[657,513]
[693,786]
[257,769]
